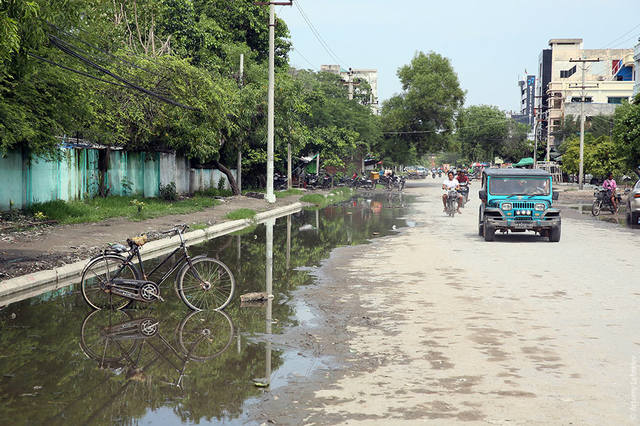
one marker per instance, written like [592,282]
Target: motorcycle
[603,200]
[464,191]
[433,175]
[452,202]
[279,182]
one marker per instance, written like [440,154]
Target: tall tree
[423,114]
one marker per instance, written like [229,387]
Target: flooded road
[61,363]
[438,326]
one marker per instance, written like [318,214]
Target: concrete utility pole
[350,82]
[239,166]
[582,100]
[270,196]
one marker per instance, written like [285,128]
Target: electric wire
[60,44]
[304,57]
[85,74]
[317,34]
[475,126]
[623,35]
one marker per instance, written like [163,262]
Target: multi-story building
[526,113]
[607,82]
[352,75]
[636,70]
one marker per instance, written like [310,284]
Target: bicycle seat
[118,248]
[139,241]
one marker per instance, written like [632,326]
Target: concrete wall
[74,176]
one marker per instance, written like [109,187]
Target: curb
[62,275]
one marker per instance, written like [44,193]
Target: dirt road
[436,325]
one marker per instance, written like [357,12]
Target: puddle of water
[62,364]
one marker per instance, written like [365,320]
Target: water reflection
[60,365]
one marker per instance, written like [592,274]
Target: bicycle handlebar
[178,229]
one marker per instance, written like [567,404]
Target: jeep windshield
[518,186]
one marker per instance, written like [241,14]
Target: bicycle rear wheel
[206,284]
[98,273]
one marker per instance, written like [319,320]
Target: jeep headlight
[506,206]
[540,207]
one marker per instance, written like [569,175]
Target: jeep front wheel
[554,234]
[489,232]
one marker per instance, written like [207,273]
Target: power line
[316,33]
[64,47]
[40,58]
[475,126]
[305,58]
[619,37]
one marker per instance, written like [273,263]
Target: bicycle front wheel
[204,335]
[98,274]
[206,284]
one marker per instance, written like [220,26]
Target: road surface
[437,325]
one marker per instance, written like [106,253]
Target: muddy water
[61,363]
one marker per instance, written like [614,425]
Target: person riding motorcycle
[610,185]
[464,182]
[451,183]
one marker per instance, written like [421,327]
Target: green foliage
[335,196]
[215,192]
[168,192]
[626,133]
[221,183]
[484,132]
[425,109]
[241,214]
[98,209]
[288,192]
[600,156]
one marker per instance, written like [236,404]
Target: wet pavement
[61,363]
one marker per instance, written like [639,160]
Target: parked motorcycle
[279,182]
[603,201]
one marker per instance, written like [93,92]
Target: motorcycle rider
[610,185]
[451,183]
[463,180]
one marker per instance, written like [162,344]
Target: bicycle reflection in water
[132,346]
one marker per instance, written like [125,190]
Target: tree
[626,132]
[421,117]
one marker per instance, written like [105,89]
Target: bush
[222,182]
[168,192]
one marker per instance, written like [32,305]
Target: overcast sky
[490,43]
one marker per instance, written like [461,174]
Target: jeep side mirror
[483,194]
[554,195]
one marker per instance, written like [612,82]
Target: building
[352,75]
[636,69]
[526,114]
[608,82]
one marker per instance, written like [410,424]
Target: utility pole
[270,196]
[582,100]
[239,165]
[350,82]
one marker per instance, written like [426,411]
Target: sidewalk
[49,247]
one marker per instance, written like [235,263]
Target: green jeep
[518,200]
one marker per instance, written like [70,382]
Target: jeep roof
[517,172]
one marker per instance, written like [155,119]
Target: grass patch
[98,209]
[335,196]
[288,192]
[316,199]
[199,226]
[241,214]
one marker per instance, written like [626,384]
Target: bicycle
[111,280]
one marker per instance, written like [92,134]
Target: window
[587,99]
[616,99]
[557,103]
[568,73]
[556,122]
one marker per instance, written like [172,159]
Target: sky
[490,43]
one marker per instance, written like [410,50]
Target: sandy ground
[435,325]
[48,247]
